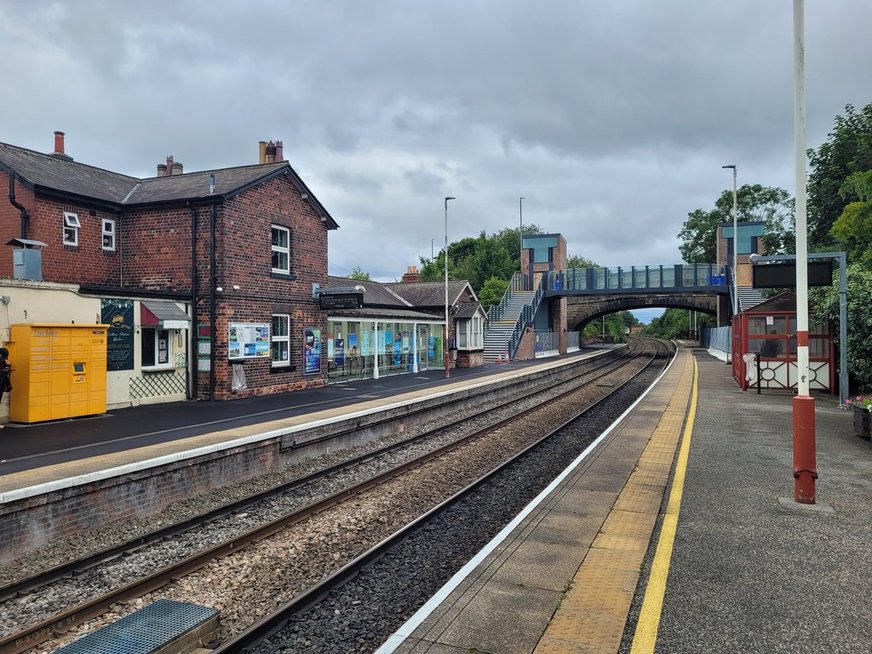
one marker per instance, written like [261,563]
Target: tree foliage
[612,328]
[479,259]
[853,228]
[824,305]
[848,150]
[492,292]
[754,202]
[358,273]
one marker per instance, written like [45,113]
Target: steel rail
[245,641]
[33,635]
[82,564]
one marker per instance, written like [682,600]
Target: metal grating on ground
[147,630]
[156,384]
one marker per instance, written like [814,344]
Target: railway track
[37,632]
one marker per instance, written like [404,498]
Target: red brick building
[235,250]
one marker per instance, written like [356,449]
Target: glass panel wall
[353,346]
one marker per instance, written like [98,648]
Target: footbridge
[594,292]
[561,301]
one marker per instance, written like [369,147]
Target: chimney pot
[261,152]
[161,170]
[270,152]
[170,164]
[178,168]
[280,155]
[59,142]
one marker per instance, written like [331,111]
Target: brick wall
[245,260]
[86,263]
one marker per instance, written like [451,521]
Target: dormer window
[71,228]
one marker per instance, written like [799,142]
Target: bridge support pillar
[558,322]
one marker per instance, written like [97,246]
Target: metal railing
[528,313]
[676,276]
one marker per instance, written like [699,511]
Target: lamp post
[804,466]
[735,242]
[521,231]
[445,353]
[432,243]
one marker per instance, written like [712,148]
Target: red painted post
[804,466]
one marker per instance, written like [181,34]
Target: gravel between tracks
[249,584]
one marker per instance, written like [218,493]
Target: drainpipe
[192,357]
[212,313]
[25,217]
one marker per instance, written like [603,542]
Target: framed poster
[248,340]
[311,351]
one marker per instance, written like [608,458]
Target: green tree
[824,305]
[674,323]
[478,259]
[853,228]
[578,261]
[754,202]
[358,273]
[848,150]
[614,325]
[492,292]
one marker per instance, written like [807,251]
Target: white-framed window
[157,348]
[280,344]
[470,333]
[281,249]
[71,228]
[108,234]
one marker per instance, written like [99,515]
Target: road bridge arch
[582,309]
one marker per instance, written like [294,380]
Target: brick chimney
[270,152]
[280,155]
[170,164]
[59,147]
[411,276]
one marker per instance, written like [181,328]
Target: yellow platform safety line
[645,637]
[593,612]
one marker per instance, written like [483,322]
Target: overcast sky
[613,118]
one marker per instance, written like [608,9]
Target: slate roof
[467,309]
[375,295]
[48,172]
[429,294]
[44,170]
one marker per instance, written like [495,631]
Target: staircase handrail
[496,312]
[528,314]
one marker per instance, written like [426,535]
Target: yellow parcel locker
[58,371]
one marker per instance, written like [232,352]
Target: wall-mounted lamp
[236,287]
[304,196]
[219,289]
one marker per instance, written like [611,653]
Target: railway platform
[676,532]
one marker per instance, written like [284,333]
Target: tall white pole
[804,465]
[445,353]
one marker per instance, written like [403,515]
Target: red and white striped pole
[804,465]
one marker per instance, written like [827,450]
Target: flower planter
[862,422]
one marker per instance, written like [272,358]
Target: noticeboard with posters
[248,340]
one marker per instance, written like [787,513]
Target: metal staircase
[501,324]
